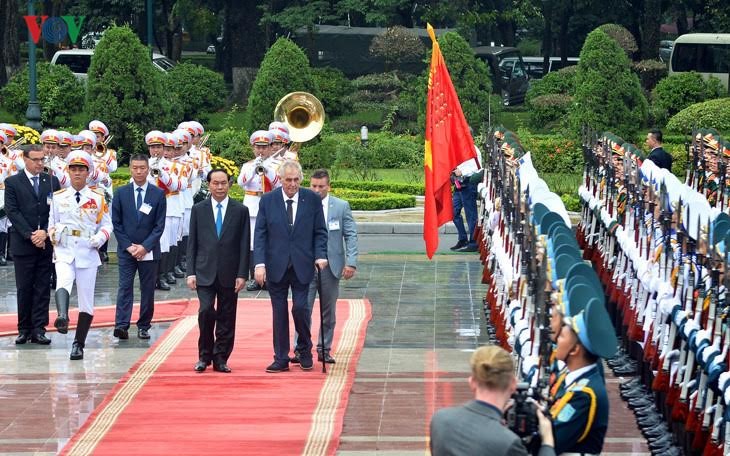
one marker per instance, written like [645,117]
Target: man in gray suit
[477,426]
[342,258]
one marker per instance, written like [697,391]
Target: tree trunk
[682,26]
[650,32]
[547,34]
[565,14]
[9,45]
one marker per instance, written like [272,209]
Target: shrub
[372,200]
[197,89]
[709,114]
[553,153]
[470,77]
[549,109]
[680,90]
[320,154]
[621,36]
[362,161]
[397,44]
[390,187]
[561,81]
[125,90]
[285,69]
[60,94]
[231,144]
[608,95]
[650,72]
[333,88]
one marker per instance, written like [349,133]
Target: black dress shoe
[468,248]
[121,333]
[104,257]
[143,334]
[40,339]
[252,285]
[276,367]
[61,325]
[162,284]
[305,363]
[170,278]
[326,358]
[77,351]
[178,273]
[221,367]
[3,261]
[200,366]
[458,245]
[22,338]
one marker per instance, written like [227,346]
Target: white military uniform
[187,172]
[78,229]
[253,187]
[8,167]
[171,183]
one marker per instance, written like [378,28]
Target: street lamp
[364,136]
[33,113]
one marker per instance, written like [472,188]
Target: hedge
[709,114]
[681,90]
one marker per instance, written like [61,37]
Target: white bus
[705,53]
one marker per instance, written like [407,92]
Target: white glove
[97,240]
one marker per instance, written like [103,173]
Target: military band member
[78,225]
[185,162]
[281,143]
[161,176]
[105,159]
[99,177]
[256,179]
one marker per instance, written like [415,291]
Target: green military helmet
[538,212]
[564,237]
[582,273]
[719,230]
[548,220]
[633,152]
[567,249]
[593,327]
[579,294]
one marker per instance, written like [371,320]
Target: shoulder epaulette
[59,191]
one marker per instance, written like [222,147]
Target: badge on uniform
[333,225]
[566,414]
[145,208]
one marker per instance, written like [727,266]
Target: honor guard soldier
[187,170]
[79,224]
[281,142]
[98,178]
[580,411]
[175,206]
[104,153]
[256,179]
[14,154]
[7,167]
[160,176]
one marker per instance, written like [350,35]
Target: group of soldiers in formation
[640,283]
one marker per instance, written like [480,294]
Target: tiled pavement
[427,318]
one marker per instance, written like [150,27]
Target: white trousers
[185,228]
[171,234]
[4,224]
[85,283]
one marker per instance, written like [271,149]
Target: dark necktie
[219,220]
[78,197]
[139,201]
[290,212]
[36,189]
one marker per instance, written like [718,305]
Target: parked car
[511,80]
[665,50]
[79,60]
[535,65]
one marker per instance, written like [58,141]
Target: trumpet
[204,140]
[102,146]
[46,164]
[155,166]
[260,170]
[17,143]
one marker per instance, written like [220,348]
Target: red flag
[448,144]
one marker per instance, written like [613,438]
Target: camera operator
[477,426]
[580,408]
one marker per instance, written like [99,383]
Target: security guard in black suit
[580,410]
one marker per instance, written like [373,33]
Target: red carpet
[104,316]
[163,407]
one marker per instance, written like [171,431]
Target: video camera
[522,417]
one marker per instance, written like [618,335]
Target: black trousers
[33,281]
[216,321]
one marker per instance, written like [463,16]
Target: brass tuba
[303,113]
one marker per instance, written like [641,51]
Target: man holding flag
[448,143]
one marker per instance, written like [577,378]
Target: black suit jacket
[276,246]
[145,230]
[28,212]
[226,258]
[661,158]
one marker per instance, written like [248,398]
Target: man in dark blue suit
[289,240]
[138,216]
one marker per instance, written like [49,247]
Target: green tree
[196,88]
[470,77]
[608,95]
[125,90]
[284,69]
[676,92]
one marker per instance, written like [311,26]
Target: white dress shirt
[294,205]
[224,205]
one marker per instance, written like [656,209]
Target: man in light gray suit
[342,258]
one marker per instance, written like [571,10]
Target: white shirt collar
[223,203]
[295,197]
[30,176]
[572,376]
[143,186]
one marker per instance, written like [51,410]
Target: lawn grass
[215,121]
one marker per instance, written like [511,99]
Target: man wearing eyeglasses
[28,197]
